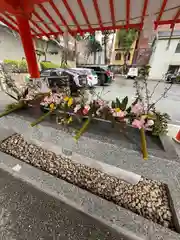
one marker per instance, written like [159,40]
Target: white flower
[77,107]
[150,122]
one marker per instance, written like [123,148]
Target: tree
[124,40]
[90,43]
[93,46]
[42,48]
[106,35]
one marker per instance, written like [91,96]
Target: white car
[92,78]
[132,73]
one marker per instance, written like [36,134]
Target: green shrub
[16,66]
[11,65]
[47,65]
[23,66]
[63,65]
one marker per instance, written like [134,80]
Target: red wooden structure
[37,18]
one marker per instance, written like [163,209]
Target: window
[118,56]
[128,56]
[178,48]
[119,44]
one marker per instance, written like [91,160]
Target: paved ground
[28,214]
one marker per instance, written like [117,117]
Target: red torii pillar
[27,41]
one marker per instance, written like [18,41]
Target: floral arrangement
[140,114]
[116,111]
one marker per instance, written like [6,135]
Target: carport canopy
[38,18]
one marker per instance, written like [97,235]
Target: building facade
[11,47]
[117,57]
[165,54]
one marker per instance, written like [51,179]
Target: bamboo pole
[40,119]
[18,106]
[143,144]
[82,130]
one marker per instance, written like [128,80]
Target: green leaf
[128,110]
[113,104]
[118,104]
[124,103]
[135,101]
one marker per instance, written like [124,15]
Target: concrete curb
[168,147]
[123,221]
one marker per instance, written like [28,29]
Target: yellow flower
[69,120]
[70,102]
[51,106]
[66,99]
[117,109]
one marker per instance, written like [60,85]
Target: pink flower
[138,123]
[86,109]
[101,102]
[137,108]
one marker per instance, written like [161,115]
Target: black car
[65,77]
[104,75]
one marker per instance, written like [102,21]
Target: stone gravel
[148,198]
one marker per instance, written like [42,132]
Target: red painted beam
[50,18]
[136,26]
[12,20]
[42,21]
[38,27]
[72,15]
[59,15]
[98,13]
[175,18]
[164,22]
[111,5]
[26,38]
[128,4]
[8,24]
[160,13]
[84,13]
[144,12]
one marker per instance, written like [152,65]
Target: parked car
[132,73]
[104,75]
[92,78]
[170,77]
[107,68]
[59,77]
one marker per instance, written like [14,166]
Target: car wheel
[102,79]
[73,87]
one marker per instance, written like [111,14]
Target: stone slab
[125,224]
[5,133]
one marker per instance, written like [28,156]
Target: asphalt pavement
[29,214]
